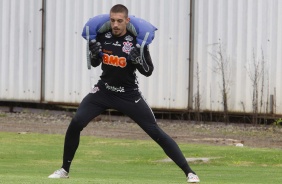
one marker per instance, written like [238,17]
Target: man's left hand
[134,55]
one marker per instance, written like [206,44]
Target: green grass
[30,158]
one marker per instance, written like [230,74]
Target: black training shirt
[118,70]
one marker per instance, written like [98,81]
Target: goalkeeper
[118,89]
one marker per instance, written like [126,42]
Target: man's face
[118,23]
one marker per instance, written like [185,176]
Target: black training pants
[131,104]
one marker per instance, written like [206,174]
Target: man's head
[119,19]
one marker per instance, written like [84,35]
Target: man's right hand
[95,48]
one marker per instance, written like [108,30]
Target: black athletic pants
[131,104]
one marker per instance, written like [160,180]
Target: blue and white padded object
[137,26]
[143,30]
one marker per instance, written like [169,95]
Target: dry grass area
[56,122]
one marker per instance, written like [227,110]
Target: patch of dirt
[56,122]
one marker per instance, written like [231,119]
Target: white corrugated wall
[248,35]
[20,50]
[67,78]
[167,88]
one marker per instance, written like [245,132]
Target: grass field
[30,158]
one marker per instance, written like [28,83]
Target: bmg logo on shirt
[114,60]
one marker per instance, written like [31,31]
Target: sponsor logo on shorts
[114,89]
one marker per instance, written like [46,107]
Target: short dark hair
[119,8]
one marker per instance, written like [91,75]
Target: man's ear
[128,20]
